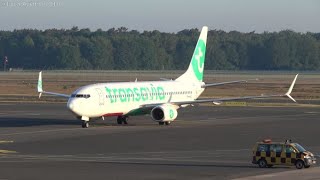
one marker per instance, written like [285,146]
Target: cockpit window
[80,96]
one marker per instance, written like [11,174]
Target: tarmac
[44,141]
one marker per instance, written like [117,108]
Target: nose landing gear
[85,124]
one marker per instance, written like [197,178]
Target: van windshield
[299,147]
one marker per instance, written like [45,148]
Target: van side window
[263,147]
[276,147]
[273,147]
[289,149]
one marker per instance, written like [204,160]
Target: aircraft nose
[70,105]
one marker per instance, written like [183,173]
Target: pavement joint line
[129,159]
[281,116]
[239,118]
[311,173]
[133,160]
[168,152]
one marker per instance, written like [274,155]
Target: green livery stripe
[138,112]
[135,94]
[198,59]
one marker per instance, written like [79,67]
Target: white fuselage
[123,98]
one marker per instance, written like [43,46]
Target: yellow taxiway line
[3,151]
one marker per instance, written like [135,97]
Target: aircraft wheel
[122,119]
[125,119]
[119,120]
[85,124]
[167,123]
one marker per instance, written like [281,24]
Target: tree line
[121,49]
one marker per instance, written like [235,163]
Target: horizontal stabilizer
[229,82]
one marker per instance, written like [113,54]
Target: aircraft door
[101,97]
[194,92]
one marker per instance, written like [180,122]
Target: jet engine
[164,113]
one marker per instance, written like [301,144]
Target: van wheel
[299,164]
[262,163]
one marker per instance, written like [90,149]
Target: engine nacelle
[165,112]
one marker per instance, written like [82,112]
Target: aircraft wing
[41,91]
[218,101]
[228,82]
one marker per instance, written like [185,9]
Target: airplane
[160,99]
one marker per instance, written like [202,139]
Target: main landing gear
[166,123]
[122,119]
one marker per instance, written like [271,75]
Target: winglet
[40,90]
[290,89]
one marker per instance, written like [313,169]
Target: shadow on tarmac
[26,122]
[224,165]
